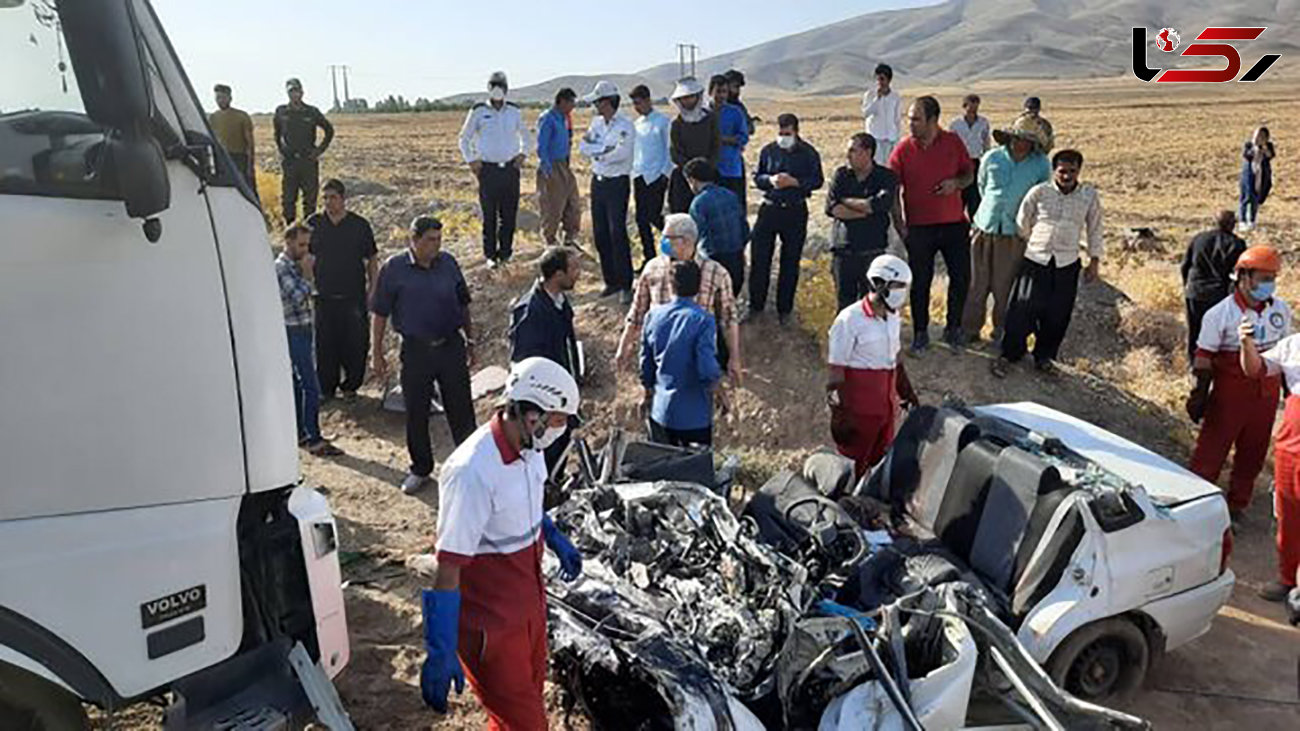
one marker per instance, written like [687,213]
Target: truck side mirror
[142,181]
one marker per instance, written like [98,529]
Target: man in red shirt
[933,168]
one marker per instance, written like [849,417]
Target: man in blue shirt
[679,365]
[788,172]
[652,166]
[423,291]
[557,188]
[733,127]
[719,219]
[1005,175]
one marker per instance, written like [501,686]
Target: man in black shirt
[541,325]
[860,199]
[344,246]
[1207,271]
[788,172]
[295,137]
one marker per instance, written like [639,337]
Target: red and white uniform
[1285,359]
[490,525]
[1241,409]
[866,347]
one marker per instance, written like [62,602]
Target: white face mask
[549,437]
[496,94]
[895,298]
[785,141]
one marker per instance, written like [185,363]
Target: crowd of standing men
[1010,224]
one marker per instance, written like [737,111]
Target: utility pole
[346,96]
[686,52]
[334,79]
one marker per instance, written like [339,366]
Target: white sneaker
[413,483]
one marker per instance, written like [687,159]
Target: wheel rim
[1098,669]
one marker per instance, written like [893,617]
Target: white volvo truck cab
[154,541]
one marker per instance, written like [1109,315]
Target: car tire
[1105,660]
[31,703]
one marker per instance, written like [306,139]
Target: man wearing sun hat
[694,133]
[610,144]
[1006,173]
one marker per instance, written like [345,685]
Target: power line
[686,53]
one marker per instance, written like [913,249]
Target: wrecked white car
[925,596]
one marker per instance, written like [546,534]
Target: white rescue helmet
[543,382]
[889,269]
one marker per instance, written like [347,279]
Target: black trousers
[1196,310]
[849,270]
[737,186]
[791,224]
[1042,302]
[299,175]
[342,342]
[498,196]
[679,192]
[660,434]
[924,243]
[734,263]
[609,228]
[423,365]
[970,195]
[649,212]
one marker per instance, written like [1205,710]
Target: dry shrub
[1156,287]
[1146,373]
[815,300]
[268,190]
[1146,327]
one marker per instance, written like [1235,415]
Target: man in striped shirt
[1054,217]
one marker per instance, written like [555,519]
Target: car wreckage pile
[821,605]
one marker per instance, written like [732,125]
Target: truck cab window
[48,145]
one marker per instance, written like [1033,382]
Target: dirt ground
[1166,160]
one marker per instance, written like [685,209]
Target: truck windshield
[48,146]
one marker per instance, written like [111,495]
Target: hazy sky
[435,48]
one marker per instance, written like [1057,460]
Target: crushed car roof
[1165,481]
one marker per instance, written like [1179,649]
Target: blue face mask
[666,246]
[1263,291]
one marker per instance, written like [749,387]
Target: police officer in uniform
[295,136]
[494,142]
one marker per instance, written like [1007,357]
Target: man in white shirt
[610,143]
[866,379]
[651,168]
[975,133]
[883,109]
[494,141]
[1054,217]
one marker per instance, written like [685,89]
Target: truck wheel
[29,703]
[1104,660]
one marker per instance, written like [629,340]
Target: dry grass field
[1162,158]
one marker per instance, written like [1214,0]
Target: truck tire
[1105,660]
[31,703]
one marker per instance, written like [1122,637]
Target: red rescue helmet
[1260,259]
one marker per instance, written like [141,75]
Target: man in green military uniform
[295,136]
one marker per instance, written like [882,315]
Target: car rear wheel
[30,703]
[1104,660]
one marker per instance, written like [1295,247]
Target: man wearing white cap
[494,141]
[694,134]
[610,143]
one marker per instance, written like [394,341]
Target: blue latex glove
[835,609]
[570,557]
[441,630]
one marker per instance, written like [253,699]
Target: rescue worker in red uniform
[488,602]
[1283,360]
[1238,409]
[867,380]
